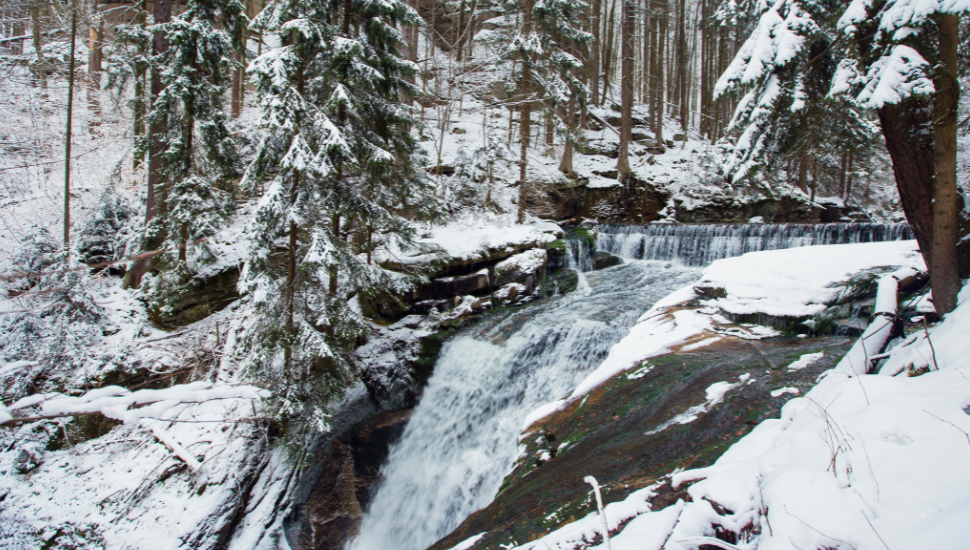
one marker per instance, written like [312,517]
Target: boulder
[462,284]
[520,268]
[603,260]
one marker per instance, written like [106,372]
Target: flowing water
[701,244]
[462,438]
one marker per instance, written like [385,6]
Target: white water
[462,439]
[701,244]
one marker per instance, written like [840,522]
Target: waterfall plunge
[462,439]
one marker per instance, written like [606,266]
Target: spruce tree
[338,165]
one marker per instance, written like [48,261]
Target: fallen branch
[174,446]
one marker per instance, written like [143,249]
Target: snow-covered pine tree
[786,67]
[559,24]
[198,160]
[543,68]
[339,165]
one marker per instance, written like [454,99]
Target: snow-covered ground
[870,461]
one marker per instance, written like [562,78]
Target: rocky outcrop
[334,510]
[471,284]
[200,298]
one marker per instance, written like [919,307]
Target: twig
[948,422]
[930,342]
[699,541]
[871,471]
[764,511]
[814,529]
[874,529]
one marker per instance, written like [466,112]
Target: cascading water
[699,244]
[462,438]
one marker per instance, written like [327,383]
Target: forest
[469,274]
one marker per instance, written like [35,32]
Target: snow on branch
[895,77]
[122,404]
[862,356]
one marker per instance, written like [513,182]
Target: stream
[462,439]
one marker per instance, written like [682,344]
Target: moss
[581,233]
[558,244]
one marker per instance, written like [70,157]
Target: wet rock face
[335,507]
[205,297]
[607,435]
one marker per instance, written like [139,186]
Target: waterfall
[701,244]
[462,439]
[579,255]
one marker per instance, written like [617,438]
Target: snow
[782,391]
[799,282]
[895,77]
[805,360]
[468,543]
[116,402]
[471,239]
[579,533]
[715,394]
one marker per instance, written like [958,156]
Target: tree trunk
[594,47]
[682,67]
[235,104]
[566,165]
[626,96]
[41,71]
[803,173]
[944,276]
[907,130]
[608,50]
[525,113]
[140,77]
[67,133]
[842,172]
[95,57]
[848,180]
[335,230]
[155,201]
[661,39]
[17,47]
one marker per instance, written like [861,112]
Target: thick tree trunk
[17,47]
[626,95]
[944,276]
[907,130]
[843,163]
[335,235]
